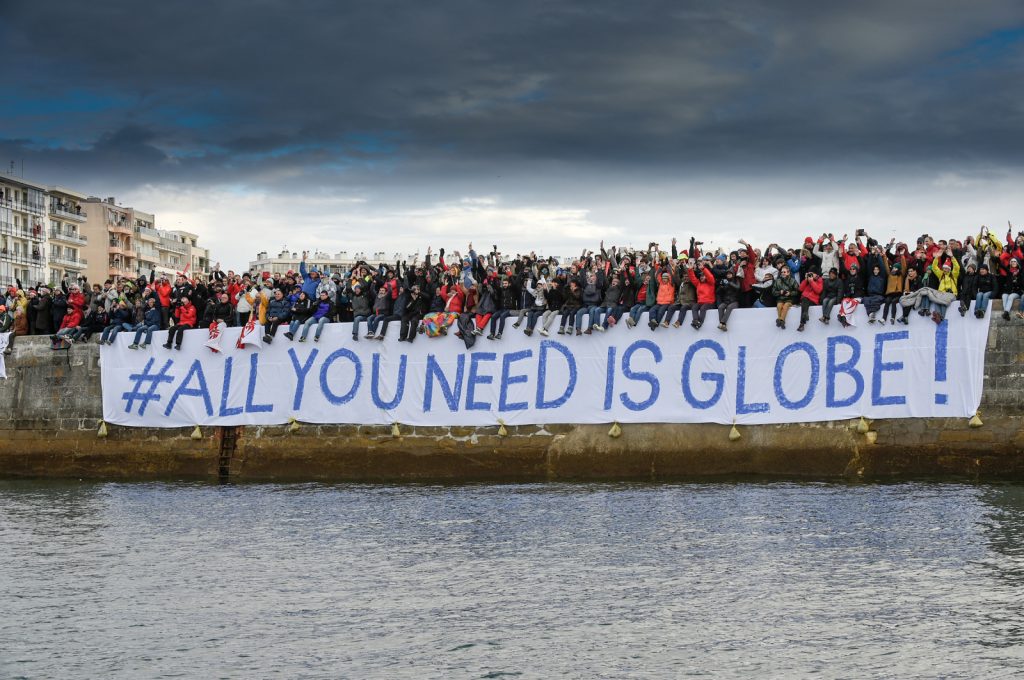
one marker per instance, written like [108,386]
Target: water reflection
[1003,527]
[152,580]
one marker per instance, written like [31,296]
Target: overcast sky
[542,125]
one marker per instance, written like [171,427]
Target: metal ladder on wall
[228,445]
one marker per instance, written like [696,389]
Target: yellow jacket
[947,280]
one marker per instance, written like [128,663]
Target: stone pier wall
[50,412]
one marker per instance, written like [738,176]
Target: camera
[861,232]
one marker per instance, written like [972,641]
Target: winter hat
[265,275]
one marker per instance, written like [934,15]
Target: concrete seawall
[50,410]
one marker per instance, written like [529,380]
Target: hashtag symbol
[149,394]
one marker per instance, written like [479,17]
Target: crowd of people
[475,294]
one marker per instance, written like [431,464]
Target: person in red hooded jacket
[184,319]
[810,294]
[68,327]
[704,282]
[163,290]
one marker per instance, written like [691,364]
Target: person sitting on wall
[278,312]
[7,326]
[150,323]
[184,319]
[70,328]
[120,319]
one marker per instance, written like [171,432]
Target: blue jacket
[120,316]
[322,309]
[308,283]
[152,317]
[279,309]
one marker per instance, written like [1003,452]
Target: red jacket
[76,300]
[705,290]
[163,291]
[73,317]
[456,304]
[186,315]
[233,290]
[747,283]
[812,289]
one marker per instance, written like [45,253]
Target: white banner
[754,373]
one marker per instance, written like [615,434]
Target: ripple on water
[190,580]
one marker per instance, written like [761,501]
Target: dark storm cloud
[276,92]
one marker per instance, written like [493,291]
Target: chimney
[110,200]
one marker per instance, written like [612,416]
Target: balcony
[67,236]
[173,246]
[120,228]
[67,212]
[34,233]
[21,206]
[148,234]
[18,257]
[118,271]
[68,262]
[121,249]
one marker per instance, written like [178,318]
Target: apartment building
[23,210]
[343,261]
[65,237]
[110,234]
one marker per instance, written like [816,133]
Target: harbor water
[145,580]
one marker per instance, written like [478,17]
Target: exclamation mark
[941,338]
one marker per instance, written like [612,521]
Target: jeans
[111,331]
[596,318]
[373,321]
[638,311]
[581,312]
[1008,299]
[148,330]
[532,316]
[981,301]
[320,323]
[385,320]
[320,327]
[498,321]
[657,311]
[827,303]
